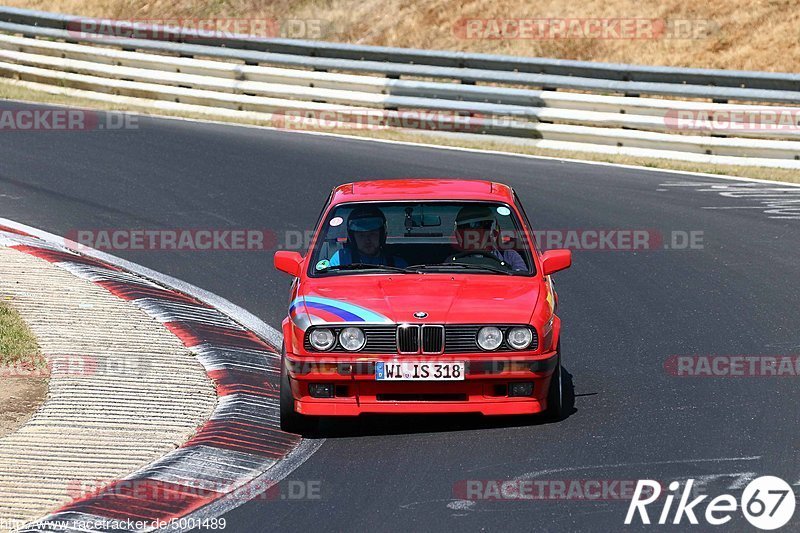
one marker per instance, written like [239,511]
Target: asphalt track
[624,314]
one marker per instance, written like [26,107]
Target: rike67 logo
[767,502]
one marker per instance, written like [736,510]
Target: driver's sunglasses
[478,224]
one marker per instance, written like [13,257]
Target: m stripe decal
[344,315]
[347,312]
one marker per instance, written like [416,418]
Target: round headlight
[352,339]
[490,338]
[519,338]
[322,339]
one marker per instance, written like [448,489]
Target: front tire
[291,420]
[555,394]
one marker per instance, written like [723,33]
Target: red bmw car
[421,296]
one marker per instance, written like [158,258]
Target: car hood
[476,299]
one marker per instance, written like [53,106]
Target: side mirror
[555,260]
[289,262]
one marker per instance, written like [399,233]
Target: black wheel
[555,395]
[291,420]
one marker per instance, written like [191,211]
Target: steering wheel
[478,257]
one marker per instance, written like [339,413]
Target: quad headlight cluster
[491,337]
[351,339]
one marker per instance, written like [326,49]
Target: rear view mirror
[555,260]
[427,221]
[289,262]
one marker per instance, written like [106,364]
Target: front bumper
[484,389]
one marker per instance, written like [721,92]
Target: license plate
[419,371]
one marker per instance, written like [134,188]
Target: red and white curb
[239,453]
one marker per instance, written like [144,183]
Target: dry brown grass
[751,34]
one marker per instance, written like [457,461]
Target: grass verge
[17,343]
[20,365]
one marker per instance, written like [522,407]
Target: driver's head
[475,228]
[366,228]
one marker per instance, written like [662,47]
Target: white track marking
[623,465]
[739,479]
[776,202]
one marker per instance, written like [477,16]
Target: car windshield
[410,237]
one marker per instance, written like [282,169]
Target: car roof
[422,189]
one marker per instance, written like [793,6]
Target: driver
[366,240]
[476,229]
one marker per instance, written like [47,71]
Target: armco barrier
[275,76]
[438,58]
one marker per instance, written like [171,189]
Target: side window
[333,235]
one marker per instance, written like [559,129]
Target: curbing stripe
[15,231]
[130,292]
[31,243]
[90,346]
[231,382]
[93,273]
[58,256]
[240,361]
[235,447]
[205,467]
[123,500]
[192,334]
[169,311]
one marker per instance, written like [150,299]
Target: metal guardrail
[369,84]
[249,55]
[440,58]
[213,77]
[344,90]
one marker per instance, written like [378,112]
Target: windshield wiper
[468,266]
[363,266]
